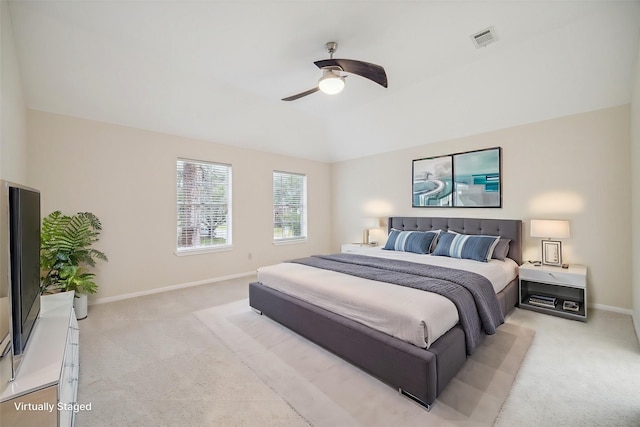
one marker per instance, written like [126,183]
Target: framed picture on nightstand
[552,252]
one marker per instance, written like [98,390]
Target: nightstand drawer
[356,247]
[574,276]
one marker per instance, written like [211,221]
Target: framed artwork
[551,252]
[471,179]
[477,179]
[433,182]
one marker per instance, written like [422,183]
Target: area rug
[328,391]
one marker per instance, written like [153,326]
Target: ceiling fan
[332,80]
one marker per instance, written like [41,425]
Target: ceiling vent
[484,37]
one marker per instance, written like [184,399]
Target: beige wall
[13,128]
[127,178]
[574,168]
[635,211]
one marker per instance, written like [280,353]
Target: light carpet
[327,391]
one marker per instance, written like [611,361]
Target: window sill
[200,251]
[290,241]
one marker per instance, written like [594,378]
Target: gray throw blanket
[472,294]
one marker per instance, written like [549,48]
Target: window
[289,206]
[204,205]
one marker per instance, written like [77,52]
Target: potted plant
[66,254]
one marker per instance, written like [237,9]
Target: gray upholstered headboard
[507,228]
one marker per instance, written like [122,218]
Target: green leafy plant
[66,252]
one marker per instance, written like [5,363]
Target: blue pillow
[418,242]
[476,247]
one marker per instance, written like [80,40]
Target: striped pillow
[418,242]
[476,247]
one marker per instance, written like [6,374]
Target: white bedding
[499,273]
[409,314]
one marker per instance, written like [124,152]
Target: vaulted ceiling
[216,70]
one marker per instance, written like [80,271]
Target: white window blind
[289,206]
[204,205]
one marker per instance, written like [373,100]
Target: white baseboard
[627,311]
[636,325]
[170,288]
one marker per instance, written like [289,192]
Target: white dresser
[44,391]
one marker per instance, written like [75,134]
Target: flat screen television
[24,246]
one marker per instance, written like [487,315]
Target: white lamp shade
[331,83]
[370,223]
[549,228]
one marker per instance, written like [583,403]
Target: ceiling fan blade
[367,70]
[300,95]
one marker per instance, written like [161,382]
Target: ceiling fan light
[331,83]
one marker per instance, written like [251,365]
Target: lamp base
[365,237]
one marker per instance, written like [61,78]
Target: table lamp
[550,229]
[369,223]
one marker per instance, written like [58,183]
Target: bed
[417,372]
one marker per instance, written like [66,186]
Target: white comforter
[409,314]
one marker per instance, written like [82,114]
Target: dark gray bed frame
[417,373]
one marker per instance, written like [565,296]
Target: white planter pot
[80,305]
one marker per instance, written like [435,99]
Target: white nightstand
[563,284]
[356,247]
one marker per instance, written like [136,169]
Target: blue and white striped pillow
[418,242]
[476,247]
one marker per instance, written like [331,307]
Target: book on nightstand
[543,301]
